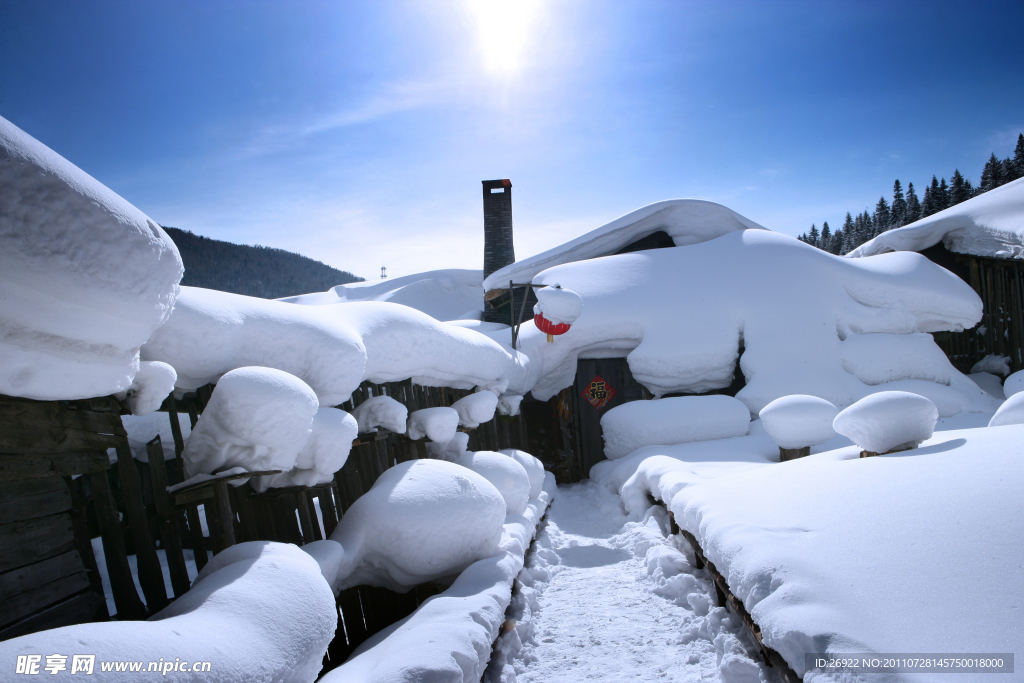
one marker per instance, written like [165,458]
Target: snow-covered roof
[687,221]
[991,224]
[451,294]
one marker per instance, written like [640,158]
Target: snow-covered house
[982,241]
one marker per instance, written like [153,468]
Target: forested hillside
[907,208]
[252,270]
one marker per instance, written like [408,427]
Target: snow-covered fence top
[808,322]
[687,221]
[85,277]
[991,224]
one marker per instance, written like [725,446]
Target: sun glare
[504,32]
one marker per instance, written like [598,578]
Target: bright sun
[504,31]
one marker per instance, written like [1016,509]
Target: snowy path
[606,599]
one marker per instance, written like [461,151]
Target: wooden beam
[224,517]
[167,519]
[38,465]
[31,498]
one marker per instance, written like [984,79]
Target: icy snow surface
[257,418]
[1010,413]
[85,277]
[476,408]
[667,421]
[324,453]
[259,611]
[332,348]
[687,221]
[799,421]
[809,322]
[442,294]
[887,420]
[505,473]
[604,598]
[422,520]
[1014,384]
[991,224]
[381,411]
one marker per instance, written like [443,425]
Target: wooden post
[151,577]
[126,598]
[246,512]
[329,509]
[793,453]
[179,441]
[170,530]
[224,517]
[195,532]
[305,520]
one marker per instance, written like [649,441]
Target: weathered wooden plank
[24,604]
[192,496]
[49,427]
[151,577]
[83,608]
[179,441]
[32,498]
[224,516]
[195,530]
[126,598]
[168,519]
[352,611]
[24,579]
[38,465]
[83,540]
[247,519]
[30,541]
[305,518]
[329,509]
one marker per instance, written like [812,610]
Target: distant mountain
[252,270]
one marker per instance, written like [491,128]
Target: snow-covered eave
[688,221]
[989,225]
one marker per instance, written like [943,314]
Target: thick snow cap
[422,520]
[450,451]
[534,469]
[381,411]
[799,421]
[324,453]
[507,475]
[888,420]
[85,277]
[1010,413]
[257,418]
[1014,384]
[808,322]
[151,385]
[991,224]
[476,408]
[442,294]
[437,424]
[670,421]
[558,305]
[687,221]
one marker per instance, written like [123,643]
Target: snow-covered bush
[381,411]
[507,475]
[799,421]
[476,409]
[1014,384]
[324,453]
[534,469]
[260,611]
[422,520]
[85,277]
[152,384]
[257,418]
[1010,413]
[437,424]
[673,420]
[450,451]
[888,420]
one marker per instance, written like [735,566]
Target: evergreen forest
[905,208]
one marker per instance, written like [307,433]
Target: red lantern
[548,327]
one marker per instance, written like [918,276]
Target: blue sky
[357,132]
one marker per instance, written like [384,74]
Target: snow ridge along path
[606,599]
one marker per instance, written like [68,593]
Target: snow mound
[669,421]
[441,294]
[257,418]
[505,473]
[558,305]
[259,611]
[888,420]
[144,428]
[331,348]
[991,224]
[422,520]
[508,404]
[1010,413]
[152,384]
[324,453]
[85,277]
[450,451]
[381,411]
[687,221]
[808,322]
[534,469]
[989,383]
[799,421]
[437,424]
[476,408]
[1014,384]
[993,364]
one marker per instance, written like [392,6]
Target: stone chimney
[498,249]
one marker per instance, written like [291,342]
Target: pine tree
[992,175]
[899,206]
[826,236]
[849,234]
[812,236]
[837,243]
[882,217]
[913,204]
[1018,156]
[1008,171]
[942,198]
[959,190]
[931,198]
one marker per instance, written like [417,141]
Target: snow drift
[85,277]
[505,473]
